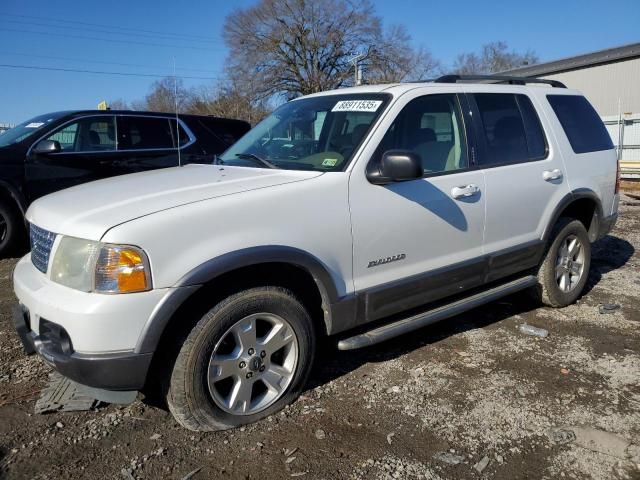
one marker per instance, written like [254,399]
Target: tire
[12,231]
[561,278]
[203,378]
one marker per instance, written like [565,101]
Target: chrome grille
[41,244]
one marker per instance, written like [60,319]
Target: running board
[406,325]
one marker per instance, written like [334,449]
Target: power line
[116,27]
[107,31]
[99,72]
[50,57]
[128,42]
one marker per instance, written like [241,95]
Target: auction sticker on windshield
[357,106]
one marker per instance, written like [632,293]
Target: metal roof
[600,57]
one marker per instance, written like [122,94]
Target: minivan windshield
[318,133]
[26,129]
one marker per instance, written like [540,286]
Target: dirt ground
[470,398]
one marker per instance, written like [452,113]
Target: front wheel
[564,271]
[11,229]
[245,359]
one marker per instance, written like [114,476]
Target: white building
[610,79]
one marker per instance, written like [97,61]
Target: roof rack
[499,79]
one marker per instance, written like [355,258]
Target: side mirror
[47,146]
[395,166]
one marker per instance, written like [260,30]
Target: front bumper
[90,338]
[113,371]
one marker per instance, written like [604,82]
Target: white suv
[339,211]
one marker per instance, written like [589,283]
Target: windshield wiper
[257,159]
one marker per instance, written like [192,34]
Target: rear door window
[581,123]
[144,133]
[511,129]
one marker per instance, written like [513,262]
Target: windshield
[26,129]
[318,133]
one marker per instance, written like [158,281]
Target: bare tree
[162,97]
[493,57]
[395,60]
[222,100]
[118,104]
[227,100]
[297,47]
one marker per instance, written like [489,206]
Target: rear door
[88,151]
[525,178]
[149,142]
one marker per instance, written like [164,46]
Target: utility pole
[357,68]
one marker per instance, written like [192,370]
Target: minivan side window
[581,123]
[90,134]
[511,129]
[144,133]
[432,127]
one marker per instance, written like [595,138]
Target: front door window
[430,126]
[91,134]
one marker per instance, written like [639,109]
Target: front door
[421,240]
[88,150]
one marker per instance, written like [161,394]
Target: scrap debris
[64,395]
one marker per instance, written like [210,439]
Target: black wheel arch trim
[568,199]
[214,268]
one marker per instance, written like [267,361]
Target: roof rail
[499,79]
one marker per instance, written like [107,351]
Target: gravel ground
[472,397]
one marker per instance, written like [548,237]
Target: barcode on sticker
[357,106]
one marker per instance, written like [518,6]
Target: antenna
[175,100]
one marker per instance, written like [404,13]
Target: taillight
[617,190]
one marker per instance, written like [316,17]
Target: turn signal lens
[122,269]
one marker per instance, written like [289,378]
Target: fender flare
[214,268]
[578,194]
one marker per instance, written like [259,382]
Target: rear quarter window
[217,135]
[581,123]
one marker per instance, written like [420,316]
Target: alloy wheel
[253,364]
[570,263]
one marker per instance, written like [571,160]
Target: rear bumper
[125,371]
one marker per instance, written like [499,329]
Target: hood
[89,210]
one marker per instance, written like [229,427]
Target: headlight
[104,268]
[74,263]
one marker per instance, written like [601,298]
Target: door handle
[550,175]
[465,191]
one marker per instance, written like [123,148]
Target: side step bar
[406,325]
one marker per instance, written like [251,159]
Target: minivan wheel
[565,268]
[245,359]
[11,229]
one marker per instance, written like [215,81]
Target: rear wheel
[245,359]
[565,268]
